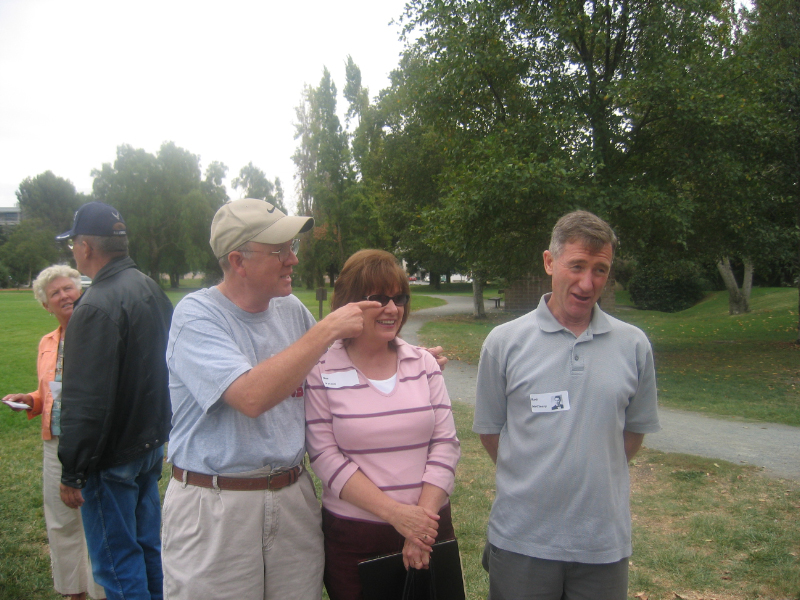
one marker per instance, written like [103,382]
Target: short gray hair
[49,275]
[225,264]
[108,245]
[584,227]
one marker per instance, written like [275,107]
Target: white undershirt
[385,385]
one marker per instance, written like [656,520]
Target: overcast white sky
[220,79]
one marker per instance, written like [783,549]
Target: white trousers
[72,571]
[226,545]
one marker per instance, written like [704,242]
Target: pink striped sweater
[398,440]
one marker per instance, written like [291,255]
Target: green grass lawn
[745,366]
[706,360]
[702,528]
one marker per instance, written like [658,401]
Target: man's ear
[235,259]
[88,248]
[548,262]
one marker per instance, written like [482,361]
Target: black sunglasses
[399,300]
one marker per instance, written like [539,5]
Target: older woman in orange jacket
[57,288]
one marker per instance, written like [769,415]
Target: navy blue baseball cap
[96,218]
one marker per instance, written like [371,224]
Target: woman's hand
[415,523]
[414,557]
[22,398]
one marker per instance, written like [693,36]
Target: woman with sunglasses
[379,432]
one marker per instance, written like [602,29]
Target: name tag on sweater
[340,379]
[552,402]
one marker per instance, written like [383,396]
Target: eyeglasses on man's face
[283,254]
[399,300]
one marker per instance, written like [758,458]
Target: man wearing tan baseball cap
[240,514]
[250,220]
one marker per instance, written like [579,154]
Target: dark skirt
[348,542]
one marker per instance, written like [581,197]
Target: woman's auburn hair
[370,272]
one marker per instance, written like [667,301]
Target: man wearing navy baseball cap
[97,219]
[115,406]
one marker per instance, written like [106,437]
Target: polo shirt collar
[337,358]
[548,323]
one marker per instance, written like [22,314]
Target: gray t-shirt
[211,343]
[560,405]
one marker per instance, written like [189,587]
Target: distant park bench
[497,299]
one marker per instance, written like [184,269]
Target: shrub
[667,287]
[624,268]
[5,276]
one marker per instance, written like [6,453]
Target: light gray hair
[584,227]
[225,264]
[49,275]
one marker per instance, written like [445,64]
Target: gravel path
[773,447]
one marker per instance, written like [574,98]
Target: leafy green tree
[166,205]
[410,165]
[328,186]
[29,248]
[255,184]
[772,45]
[50,199]
[629,109]
[729,162]
[214,190]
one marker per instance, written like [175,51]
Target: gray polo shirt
[560,405]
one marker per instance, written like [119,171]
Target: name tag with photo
[552,402]
[340,379]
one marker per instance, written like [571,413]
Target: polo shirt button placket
[577,361]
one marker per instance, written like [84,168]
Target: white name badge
[552,402]
[340,379]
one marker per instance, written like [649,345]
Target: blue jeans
[122,521]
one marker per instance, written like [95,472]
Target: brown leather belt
[274,481]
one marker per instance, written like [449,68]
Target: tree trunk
[435,280]
[174,280]
[738,300]
[331,275]
[478,310]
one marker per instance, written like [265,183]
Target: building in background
[10,215]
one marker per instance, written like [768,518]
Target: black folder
[383,578]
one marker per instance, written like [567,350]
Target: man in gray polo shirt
[565,395]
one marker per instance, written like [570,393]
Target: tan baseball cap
[252,220]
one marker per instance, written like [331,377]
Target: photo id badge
[552,402]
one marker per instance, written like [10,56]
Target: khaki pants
[72,571]
[230,545]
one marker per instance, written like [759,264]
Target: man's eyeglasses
[283,253]
[399,300]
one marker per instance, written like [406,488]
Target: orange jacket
[46,370]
